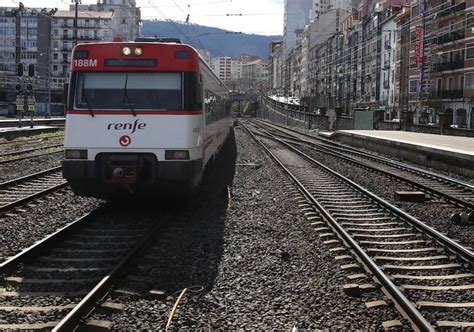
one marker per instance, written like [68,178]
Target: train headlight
[126,50]
[176,155]
[75,154]
[138,51]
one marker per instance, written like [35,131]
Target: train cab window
[153,91]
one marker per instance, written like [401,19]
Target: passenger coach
[141,117]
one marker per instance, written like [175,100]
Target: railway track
[55,283]
[13,156]
[452,190]
[19,191]
[30,140]
[428,276]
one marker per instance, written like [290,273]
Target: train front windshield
[109,90]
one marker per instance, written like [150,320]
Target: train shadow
[188,250]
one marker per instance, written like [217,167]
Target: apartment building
[229,69]
[127,23]
[92,26]
[388,56]
[254,74]
[222,66]
[23,32]
[274,65]
[449,69]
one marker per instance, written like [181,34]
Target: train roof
[152,41]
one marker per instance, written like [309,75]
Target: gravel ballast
[20,168]
[256,264]
[20,229]
[433,212]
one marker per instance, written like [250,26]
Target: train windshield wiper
[87,102]
[125,96]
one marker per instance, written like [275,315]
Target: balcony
[449,37]
[445,66]
[88,38]
[447,94]
[448,11]
[91,26]
[386,65]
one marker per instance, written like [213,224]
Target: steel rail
[5,184]
[407,307]
[37,248]
[459,201]
[376,157]
[12,153]
[84,308]
[23,200]
[27,157]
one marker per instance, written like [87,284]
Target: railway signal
[19,70]
[31,70]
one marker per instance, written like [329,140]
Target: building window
[450,83]
[469,51]
[413,86]
[55,32]
[461,83]
[55,56]
[55,68]
[469,81]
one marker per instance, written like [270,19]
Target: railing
[449,65]
[387,44]
[447,94]
[449,37]
[448,11]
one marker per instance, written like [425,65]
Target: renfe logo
[127,126]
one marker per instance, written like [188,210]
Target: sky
[264,17]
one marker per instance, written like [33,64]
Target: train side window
[199,101]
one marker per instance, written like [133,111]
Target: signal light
[31,70]
[18,87]
[29,87]
[138,51]
[19,70]
[126,51]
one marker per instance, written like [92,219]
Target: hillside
[219,42]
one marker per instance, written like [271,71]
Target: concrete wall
[437,159]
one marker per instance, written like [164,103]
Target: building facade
[24,35]
[92,26]
[408,60]
[297,13]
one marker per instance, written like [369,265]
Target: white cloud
[259,16]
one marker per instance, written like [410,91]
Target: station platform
[450,153]
[10,133]
[13,122]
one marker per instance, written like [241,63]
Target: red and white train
[141,117]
